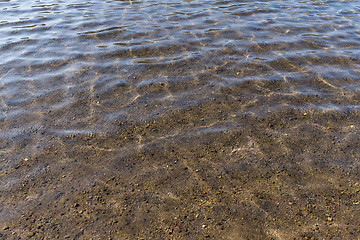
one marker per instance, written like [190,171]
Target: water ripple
[82,67]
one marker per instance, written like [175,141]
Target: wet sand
[286,174]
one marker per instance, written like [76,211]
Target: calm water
[132,60]
[97,68]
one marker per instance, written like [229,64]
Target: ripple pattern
[229,89]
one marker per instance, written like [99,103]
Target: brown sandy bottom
[198,173]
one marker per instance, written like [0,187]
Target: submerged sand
[200,173]
[179,120]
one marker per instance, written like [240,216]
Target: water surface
[253,103]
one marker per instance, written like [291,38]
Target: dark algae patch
[179,120]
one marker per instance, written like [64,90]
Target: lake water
[253,103]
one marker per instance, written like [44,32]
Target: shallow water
[101,89]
